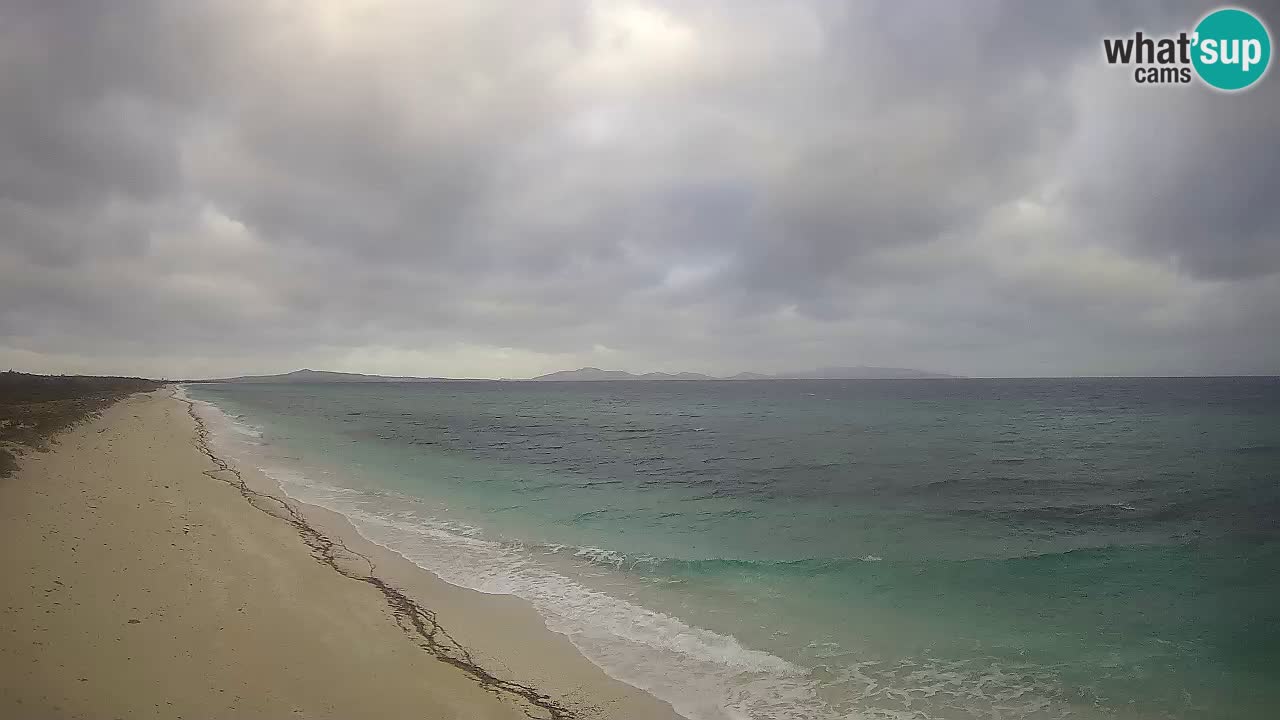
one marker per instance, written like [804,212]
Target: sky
[474,188]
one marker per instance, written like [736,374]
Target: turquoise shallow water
[833,549]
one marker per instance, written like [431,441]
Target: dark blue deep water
[834,549]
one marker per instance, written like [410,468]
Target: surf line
[419,622]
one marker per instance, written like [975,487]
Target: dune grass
[35,408]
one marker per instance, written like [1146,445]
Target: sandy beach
[146,578]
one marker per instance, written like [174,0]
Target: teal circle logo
[1232,49]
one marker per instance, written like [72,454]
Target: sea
[1029,548]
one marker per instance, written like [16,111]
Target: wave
[1122,558]
[703,674]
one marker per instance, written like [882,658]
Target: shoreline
[410,615]
[496,658]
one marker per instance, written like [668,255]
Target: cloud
[482,188]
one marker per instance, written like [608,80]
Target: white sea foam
[705,675]
[611,558]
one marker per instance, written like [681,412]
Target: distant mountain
[321,376]
[860,372]
[588,373]
[675,376]
[592,373]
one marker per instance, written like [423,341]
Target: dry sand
[140,582]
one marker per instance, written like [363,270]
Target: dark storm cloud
[479,188]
